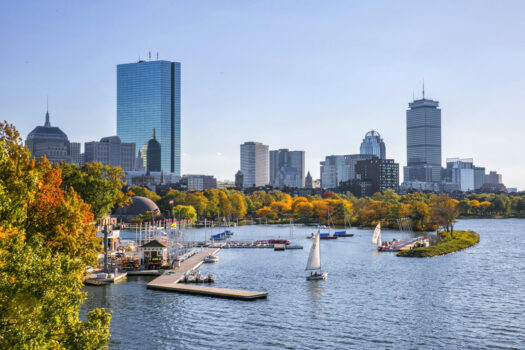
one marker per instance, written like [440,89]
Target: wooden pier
[169,281]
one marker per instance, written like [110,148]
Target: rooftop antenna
[47,112]
[423,89]
[157,55]
[149,55]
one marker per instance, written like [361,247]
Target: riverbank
[460,240]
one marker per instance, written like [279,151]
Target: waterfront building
[373,145]
[49,141]
[239,179]
[281,163]
[461,172]
[199,182]
[381,174]
[151,154]
[254,164]
[149,97]
[423,141]
[111,151]
[76,156]
[308,183]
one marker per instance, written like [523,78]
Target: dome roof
[47,132]
[372,133]
[139,205]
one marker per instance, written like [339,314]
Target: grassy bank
[447,245]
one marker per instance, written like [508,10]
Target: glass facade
[148,97]
[373,144]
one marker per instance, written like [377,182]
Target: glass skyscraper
[148,97]
[423,141]
[373,144]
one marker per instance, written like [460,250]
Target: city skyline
[324,120]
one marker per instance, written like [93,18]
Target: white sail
[376,238]
[314,259]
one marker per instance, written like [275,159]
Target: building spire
[153,134]
[423,89]
[47,113]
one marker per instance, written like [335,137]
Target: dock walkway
[169,281]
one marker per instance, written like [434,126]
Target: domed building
[151,154]
[49,141]
[138,206]
[373,144]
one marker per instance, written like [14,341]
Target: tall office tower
[148,96]
[111,151]
[287,168]
[479,177]
[493,178]
[423,141]
[49,141]
[254,164]
[333,171]
[373,144]
[152,154]
[75,153]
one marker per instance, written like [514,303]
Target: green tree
[145,192]
[184,212]
[42,256]
[98,185]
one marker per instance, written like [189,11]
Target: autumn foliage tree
[46,241]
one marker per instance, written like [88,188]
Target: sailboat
[314,261]
[376,238]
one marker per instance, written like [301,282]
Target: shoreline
[461,240]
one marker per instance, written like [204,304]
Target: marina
[365,290]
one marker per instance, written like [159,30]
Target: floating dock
[211,291]
[169,281]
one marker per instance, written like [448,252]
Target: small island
[451,241]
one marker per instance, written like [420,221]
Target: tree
[184,212]
[98,185]
[303,210]
[145,192]
[238,205]
[42,256]
[265,213]
[445,212]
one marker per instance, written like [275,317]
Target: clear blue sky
[306,75]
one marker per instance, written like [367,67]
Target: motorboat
[211,259]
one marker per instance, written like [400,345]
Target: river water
[473,299]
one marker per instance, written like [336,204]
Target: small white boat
[200,278]
[211,259]
[190,279]
[211,278]
[376,238]
[314,261]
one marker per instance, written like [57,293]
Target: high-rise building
[350,162]
[148,96]
[461,172]
[254,164]
[373,144]
[479,177]
[152,154]
[49,141]
[111,151]
[379,174]
[333,171]
[76,156]
[281,159]
[423,141]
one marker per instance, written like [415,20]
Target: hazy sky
[303,75]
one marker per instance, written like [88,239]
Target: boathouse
[154,254]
